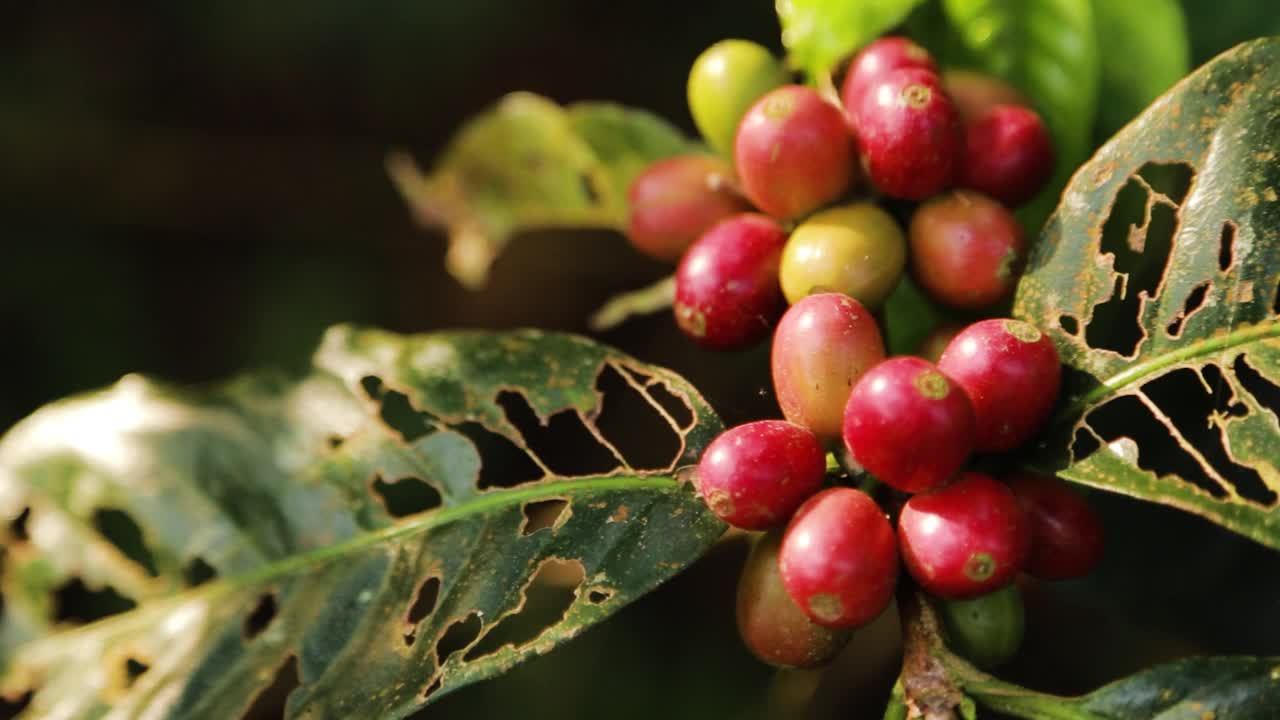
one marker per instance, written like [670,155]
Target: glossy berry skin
[754,476]
[988,629]
[839,559]
[964,539]
[855,249]
[770,623]
[975,92]
[936,341]
[909,134]
[877,59]
[1066,532]
[793,152]
[674,201]
[908,424]
[724,81]
[1011,373]
[822,345]
[1008,154]
[967,250]
[727,294]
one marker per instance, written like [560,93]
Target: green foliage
[818,34]
[1157,280]
[381,528]
[1150,53]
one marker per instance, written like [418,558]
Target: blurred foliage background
[192,189]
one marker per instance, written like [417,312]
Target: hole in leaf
[1226,245]
[1125,422]
[589,190]
[1083,444]
[564,443]
[542,514]
[1195,299]
[372,386]
[645,439]
[1069,324]
[18,526]
[433,687]
[547,597]
[77,603]
[1275,303]
[270,702]
[675,406]
[1193,409]
[1170,179]
[13,708]
[423,605]
[599,595]
[407,496]
[133,669]
[335,441]
[400,415]
[505,464]
[1225,401]
[120,530]
[1263,390]
[261,616]
[198,572]
[461,633]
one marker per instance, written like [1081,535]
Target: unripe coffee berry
[987,629]
[1066,532]
[1008,154]
[966,249]
[909,134]
[727,293]
[855,249]
[724,81]
[754,476]
[878,58]
[674,201]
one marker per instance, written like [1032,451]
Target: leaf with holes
[1157,279]
[418,514]
[530,164]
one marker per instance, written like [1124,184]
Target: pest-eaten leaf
[818,34]
[530,164]
[1157,279]
[370,534]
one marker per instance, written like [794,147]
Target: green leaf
[818,34]
[1157,279]
[417,514]
[1048,50]
[528,164]
[1153,34]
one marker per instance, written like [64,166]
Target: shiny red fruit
[839,558]
[677,199]
[793,152]
[875,60]
[909,134]
[754,476]
[975,92]
[727,293]
[966,250]
[1011,373]
[965,539]
[908,424]
[823,344]
[1008,154]
[1066,532]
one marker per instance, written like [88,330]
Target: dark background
[192,189]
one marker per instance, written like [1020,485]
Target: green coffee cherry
[724,81]
[987,629]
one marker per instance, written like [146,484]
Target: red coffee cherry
[823,344]
[975,92]
[1066,532]
[875,60]
[674,201]
[966,249]
[964,539]
[908,424]
[839,560]
[1008,154]
[772,626]
[909,134]
[1011,372]
[793,152]
[755,475]
[727,293]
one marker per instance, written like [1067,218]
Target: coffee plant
[978,324]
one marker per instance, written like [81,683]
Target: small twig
[929,690]
[655,298]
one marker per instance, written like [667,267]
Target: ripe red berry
[839,560]
[754,476]
[975,92]
[772,626]
[1066,532]
[964,539]
[823,344]
[727,293]
[909,134]
[677,199]
[966,249]
[793,152]
[881,56]
[908,424]
[1011,372]
[1008,154]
